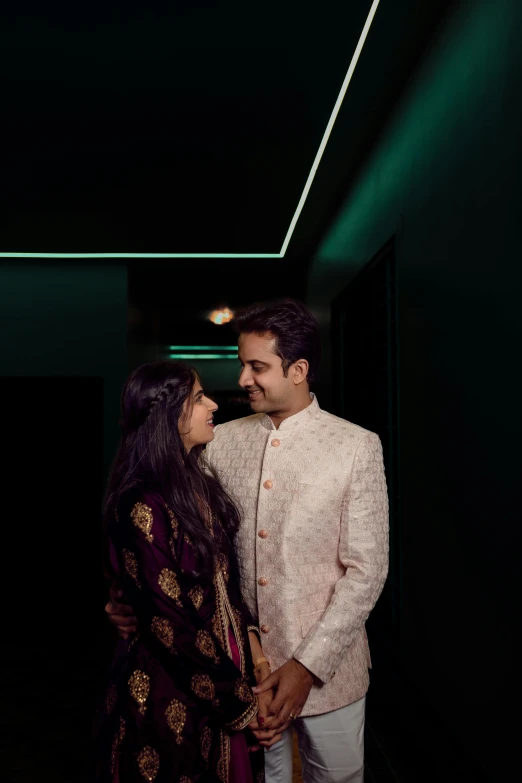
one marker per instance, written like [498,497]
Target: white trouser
[331,747]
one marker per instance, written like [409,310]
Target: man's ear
[300,371]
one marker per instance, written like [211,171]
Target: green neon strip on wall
[302,200]
[203,356]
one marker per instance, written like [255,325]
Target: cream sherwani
[313,542]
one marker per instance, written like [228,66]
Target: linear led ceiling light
[226,348]
[194,352]
[302,200]
[331,121]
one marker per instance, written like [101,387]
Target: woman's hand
[264,735]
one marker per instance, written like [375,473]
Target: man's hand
[292,683]
[120,615]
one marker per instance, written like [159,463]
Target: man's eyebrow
[254,361]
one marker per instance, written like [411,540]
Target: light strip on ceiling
[225,348]
[140,255]
[194,356]
[331,121]
[196,352]
[302,200]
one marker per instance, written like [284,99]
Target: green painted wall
[445,179]
[67,319]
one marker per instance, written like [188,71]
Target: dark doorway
[365,368]
[51,579]
[402,729]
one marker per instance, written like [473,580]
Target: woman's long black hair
[151,455]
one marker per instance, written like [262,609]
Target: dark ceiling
[191,127]
[166,127]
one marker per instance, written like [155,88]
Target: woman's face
[196,428]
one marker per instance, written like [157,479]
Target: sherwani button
[263,534]
[276,442]
[263,582]
[265,628]
[268,484]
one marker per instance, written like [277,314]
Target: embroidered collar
[303,417]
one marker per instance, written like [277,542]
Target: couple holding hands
[244,562]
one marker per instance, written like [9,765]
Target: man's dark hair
[292,324]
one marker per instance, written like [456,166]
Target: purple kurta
[178,694]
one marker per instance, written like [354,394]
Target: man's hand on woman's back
[121,615]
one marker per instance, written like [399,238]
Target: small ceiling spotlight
[220,317]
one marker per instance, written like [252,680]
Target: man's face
[262,374]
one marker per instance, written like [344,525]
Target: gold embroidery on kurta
[227,616]
[187,539]
[217,629]
[118,739]
[139,687]
[205,742]
[242,690]
[162,629]
[203,686]
[224,566]
[168,582]
[173,522]
[206,646]
[131,565]
[149,763]
[249,714]
[238,631]
[196,596]
[172,544]
[176,714]
[208,515]
[143,518]
[133,641]
[224,757]
[110,701]
[220,620]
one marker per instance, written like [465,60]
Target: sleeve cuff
[322,676]
[242,722]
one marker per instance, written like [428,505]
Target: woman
[180,697]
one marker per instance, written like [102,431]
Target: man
[313,543]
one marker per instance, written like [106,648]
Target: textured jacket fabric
[313,542]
